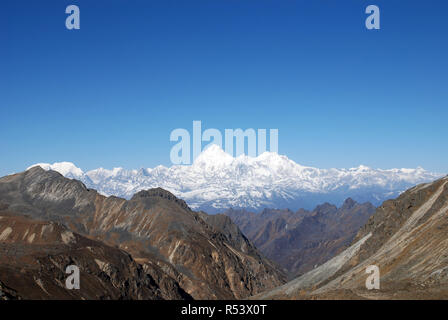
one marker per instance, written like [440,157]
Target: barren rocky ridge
[406,238]
[174,245]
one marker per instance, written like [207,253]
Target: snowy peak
[217,181]
[101,174]
[213,155]
[67,169]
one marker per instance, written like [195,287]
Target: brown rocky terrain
[208,258]
[35,254]
[406,239]
[299,241]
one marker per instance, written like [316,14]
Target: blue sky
[110,93]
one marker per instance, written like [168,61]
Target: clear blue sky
[110,93]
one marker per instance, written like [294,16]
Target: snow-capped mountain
[217,181]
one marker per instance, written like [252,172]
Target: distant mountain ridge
[299,241]
[217,181]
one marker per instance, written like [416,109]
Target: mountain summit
[217,181]
[213,155]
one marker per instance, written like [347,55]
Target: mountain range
[299,241]
[152,246]
[405,239]
[217,181]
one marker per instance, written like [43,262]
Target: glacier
[217,181]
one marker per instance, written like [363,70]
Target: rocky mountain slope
[300,240]
[406,239]
[208,260]
[216,181]
[35,254]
